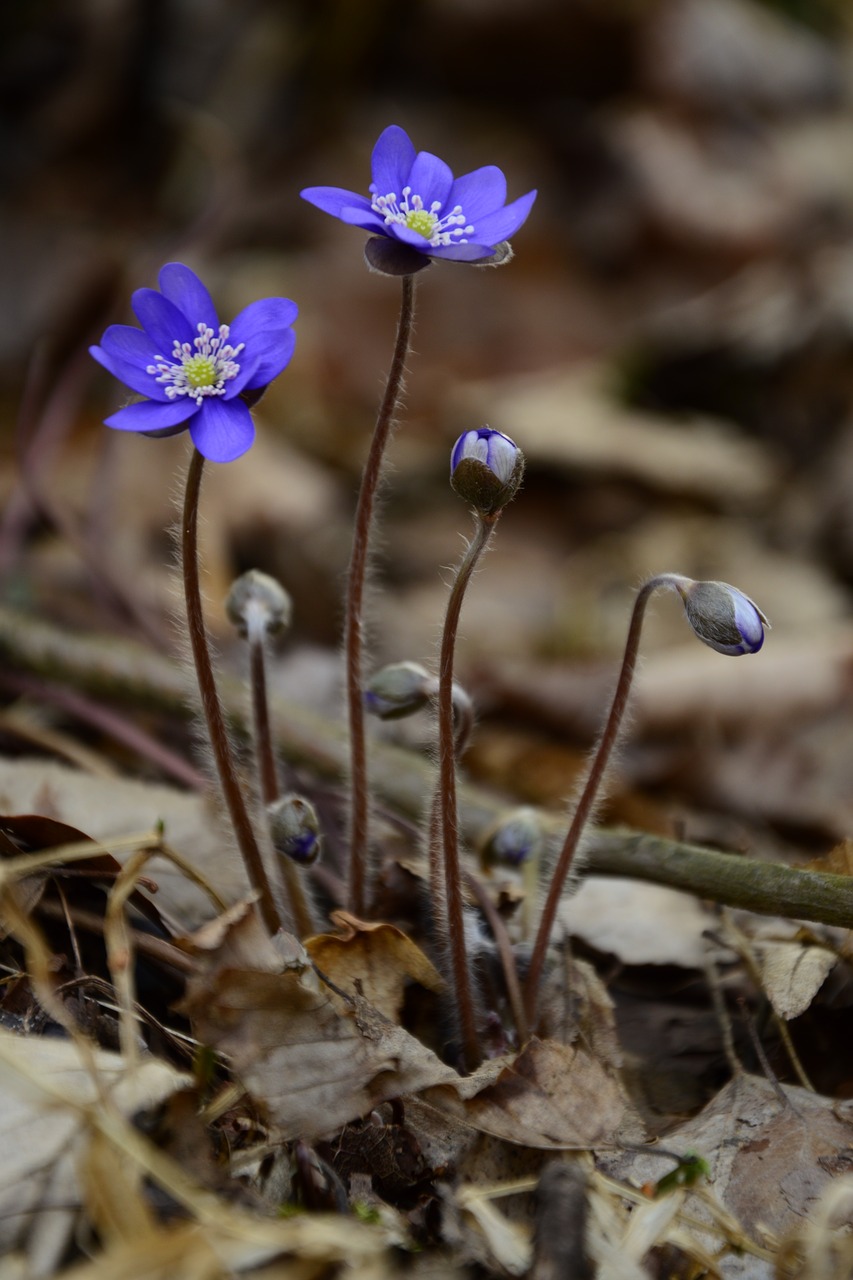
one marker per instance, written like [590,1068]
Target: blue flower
[415,199]
[192,368]
[722,617]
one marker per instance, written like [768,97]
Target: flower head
[192,368]
[295,829]
[415,200]
[722,617]
[486,468]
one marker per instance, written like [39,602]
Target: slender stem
[354,639]
[585,804]
[211,705]
[303,919]
[453,904]
[463,725]
[495,921]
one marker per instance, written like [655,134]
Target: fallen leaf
[376,961]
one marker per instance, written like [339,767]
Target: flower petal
[130,374]
[503,224]
[150,415]
[431,179]
[479,193]
[335,200]
[222,430]
[264,327]
[392,160]
[183,287]
[134,346]
[164,323]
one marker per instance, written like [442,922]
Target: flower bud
[257,603]
[486,468]
[399,690]
[295,829]
[723,617]
[516,839]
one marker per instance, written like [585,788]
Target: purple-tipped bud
[486,468]
[723,617]
[257,603]
[516,839]
[295,829]
[399,690]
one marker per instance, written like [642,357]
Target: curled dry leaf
[792,974]
[376,961]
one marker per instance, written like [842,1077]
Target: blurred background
[672,346]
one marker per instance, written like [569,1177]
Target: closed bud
[257,603]
[486,469]
[516,839]
[295,829]
[399,690]
[723,617]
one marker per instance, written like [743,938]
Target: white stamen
[410,212]
[200,372]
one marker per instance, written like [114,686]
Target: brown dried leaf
[552,1096]
[792,974]
[372,960]
[315,1060]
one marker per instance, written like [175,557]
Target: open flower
[415,199]
[192,368]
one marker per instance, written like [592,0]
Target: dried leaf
[45,1082]
[792,974]
[376,961]
[552,1096]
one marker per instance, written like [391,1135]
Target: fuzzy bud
[399,690]
[516,839]
[723,617]
[257,603]
[295,829]
[486,468]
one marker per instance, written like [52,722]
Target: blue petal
[150,415]
[479,193]
[499,226]
[222,430]
[392,160]
[463,252]
[183,287]
[431,179]
[130,374]
[410,237]
[335,200]
[164,323]
[264,327]
[123,342]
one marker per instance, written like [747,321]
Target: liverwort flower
[415,199]
[722,617]
[295,829]
[195,372]
[486,469]
[258,604]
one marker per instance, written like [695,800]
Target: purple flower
[486,469]
[723,617]
[192,368]
[415,199]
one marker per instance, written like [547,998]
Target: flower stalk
[355,623]
[721,617]
[211,705]
[449,825]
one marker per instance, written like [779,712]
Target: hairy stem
[449,844]
[303,919]
[585,804]
[354,637]
[211,706]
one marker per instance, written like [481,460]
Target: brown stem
[211,705]
[585,804]
[303,919]
[453,903]
[354,638]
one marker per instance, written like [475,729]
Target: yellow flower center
[421,221]
[200,371]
